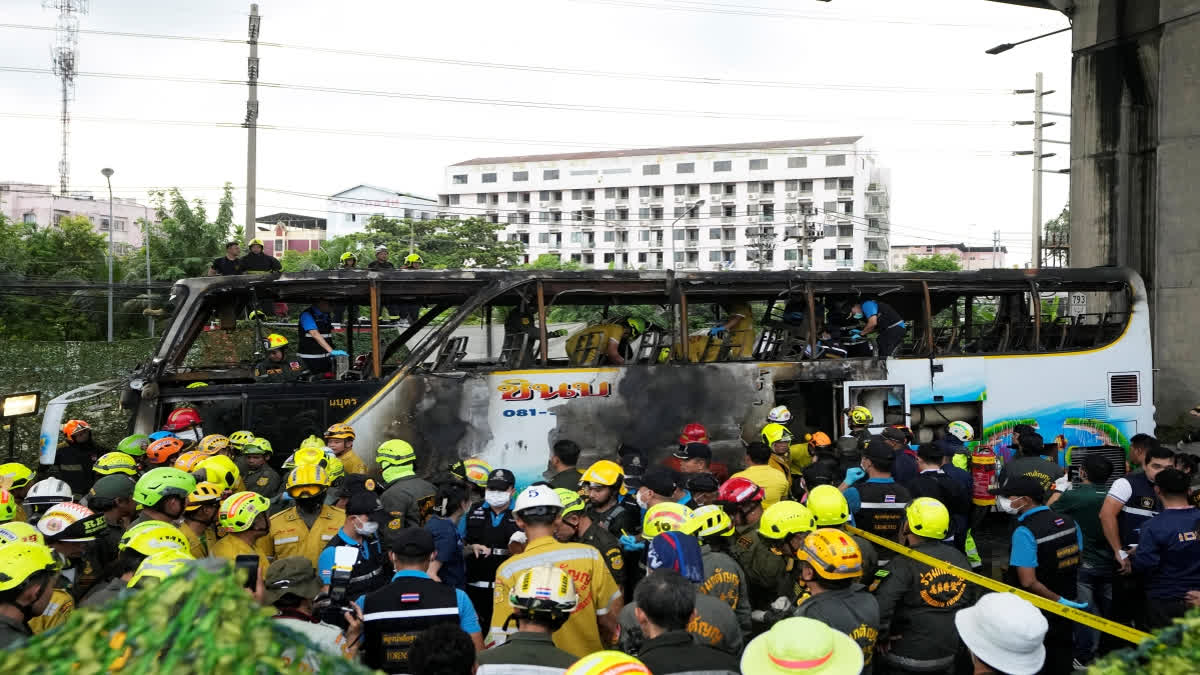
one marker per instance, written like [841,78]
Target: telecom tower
[65,57]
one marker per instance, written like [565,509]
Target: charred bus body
[479,373]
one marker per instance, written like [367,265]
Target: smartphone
[249,563]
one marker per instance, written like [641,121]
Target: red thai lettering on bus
[524,390]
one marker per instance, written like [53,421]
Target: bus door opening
[887,401]
[814,406]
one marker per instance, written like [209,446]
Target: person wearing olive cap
[290,585]
[111,496]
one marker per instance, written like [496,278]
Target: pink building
[969,257]
[289,232]
[38,205]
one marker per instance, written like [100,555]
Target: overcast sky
[912,76]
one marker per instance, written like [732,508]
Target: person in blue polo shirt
[1168,551]
[316,334]
[877,503]
[361,531]
[882,319]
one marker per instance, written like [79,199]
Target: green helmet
[162,482]
[571,501]
[348,256]
[394,453]
[239,439]
[257,446]
[637,326]
[134,446]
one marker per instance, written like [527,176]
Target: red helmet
[694,433]
[739,491]
[181,419]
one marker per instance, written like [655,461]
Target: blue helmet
[159,435]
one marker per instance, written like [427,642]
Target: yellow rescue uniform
[199,544]
[57,612]
[352,463]
[591,344]
[289,536]
[741,341]
[230,547]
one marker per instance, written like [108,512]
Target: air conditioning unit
[679,200]
[752,219]
[791,217]
[645,200]
[791,195]
[791,232]
[752,195]
[753,231]
[543,204]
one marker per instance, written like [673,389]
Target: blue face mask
[858,315]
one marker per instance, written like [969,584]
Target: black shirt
[260,262]
[380,265]
[226,267]
[676,652]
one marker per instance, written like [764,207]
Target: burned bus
[479,368]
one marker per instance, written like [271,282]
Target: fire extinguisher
[983,474]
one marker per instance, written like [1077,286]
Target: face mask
[1005,505]
[367,529]
[858,315]
[310,504]
[496,498]
[641,502]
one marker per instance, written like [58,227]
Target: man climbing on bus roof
[316,331]
[882,320]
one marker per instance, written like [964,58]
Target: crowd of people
[625,565]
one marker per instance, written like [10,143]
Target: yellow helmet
[21,560]
[604,473]
[276,341]
[239,510]
[571,501]
[476,471]
[312,442]
[188,461]
[348,256]
[664,517]
[311,456]
[412,258]
[196,385]
[784,519]
[152,536]
[159,566]
[927,517]
[239,439]
[115,462]
[253,242]
[213,444]
[608,663]
[15,475]
[16,531]
[204,493]
[709,521]
[828,506]
[307,480]
[257,446]
[218,469]
[860,416]
[833,554]
[340,430]
[775,432]
[336,469]
[394,453]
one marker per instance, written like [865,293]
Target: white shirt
[1121,490]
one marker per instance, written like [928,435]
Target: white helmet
[779,415]
[381,248]
[535,496]
[48,491]
[961,430]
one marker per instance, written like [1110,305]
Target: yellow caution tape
[1077,615]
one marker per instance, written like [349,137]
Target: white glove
[518,537]
[781,604]
[1063,484]
[758,615]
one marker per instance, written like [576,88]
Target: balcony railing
[845,192]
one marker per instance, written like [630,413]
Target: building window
[806,186]
[728,210]
[830,207]
[846,183]
[543,237]
[752,209]
[610,214]
[791,185]
[622,214]
[641,258]
[831,183]
[279,246]
[520,176]
[584,172]
[460,179]
[623,193]
[609,235]
[610,193]
[835,160]
[488,178]
[30,218]
[714,256]
[768,212]
[454,199]
[723,165]
[680,211]
[758,164]
[767,187]
[685,167]
[650,169]
[656,212]
[556,216]
[730,189]
[104,224]
[543,216]
[512,198]
[481,198]
[643,235]
[790,254]
[831,254]
[544,195]
[797,162]
[680,190]
[657,191]
[694,190]
[550,174]
[525,197]
[715,188]
[714,233]
[644,214]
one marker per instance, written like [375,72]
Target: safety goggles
[302,491]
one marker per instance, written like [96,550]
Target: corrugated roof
[670,150]
[388,190]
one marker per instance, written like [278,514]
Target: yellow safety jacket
[289,536]
[57,612]
[352,463]
[583,348]
[230,547]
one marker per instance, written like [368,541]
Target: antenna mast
[64,55]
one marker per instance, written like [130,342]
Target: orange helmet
[819,439]
[162,450]
[73,427]
[693,433]
[181,419]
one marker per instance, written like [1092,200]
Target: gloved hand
[1063,483]
[338,352]
[758,616]
[716,330]
[854,474]
[855,333]
[781,604]
[518,537]
[631,542]
[1072,603]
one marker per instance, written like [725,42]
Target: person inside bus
[882,320]
[612,344]
[316,332]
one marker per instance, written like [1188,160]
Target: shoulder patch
[263,482]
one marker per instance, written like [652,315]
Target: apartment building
[742,206]
[36,204]
[969,257]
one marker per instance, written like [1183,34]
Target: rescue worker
[162,494]
[541,601]
[724,578]
[932,481]
[381,259]
[275,366]
[406,495]
[185,424]
[229,264]
[877,504]
[831,566]
[737,332]
[43,495]
[134,547]
[779,440]
[412,261]
[772,571]
[18,478]
[340,439]
[605,343]
[664,611]
[221,471]
[560,468]
[1032,464]
[762,470]
[199,517]
[31,572]
[1044,560]
[257,262]
[135,446]
[360,531]
[574,525]
[917,602]
[592,624]
[905,467]
[451,503]
[348,260]
[825,468]
[703,487]
[490,526]
[304,529]
[113,497]
[602,484]
[113,463]
[163,452]
[70,529]
[396,614]
[742,500]
[75,456]
[243,518]
[1168,552]
[316,331]
[829,509]
[882,320]
[260,476]
[859,419]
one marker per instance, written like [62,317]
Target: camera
[330,607]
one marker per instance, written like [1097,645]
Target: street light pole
[108,178]
[671,231]
[149,298]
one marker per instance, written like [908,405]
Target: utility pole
[252,120]
[149,297]
[995,246]
[1038,156]
[108,173]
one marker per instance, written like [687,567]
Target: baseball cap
[294,575]
[679,552]
[893,434]
[501,479]
[410,542]
[930,452]
[702,482]
[1003,628]
[363,503]
[357,482]
[661,480]
[112,487]
[1020,486]
[878,449]
[694,451]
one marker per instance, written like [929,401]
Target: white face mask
[496,498]
[641,502]
[1005,504]
[367,529]
[188,435]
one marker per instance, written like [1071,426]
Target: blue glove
[338,352]
[854,332]
[630,542]
[1072,603]
[716,330]
[854,474]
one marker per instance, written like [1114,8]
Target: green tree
[551,261]
[443,243]
[940,262]
[183,243]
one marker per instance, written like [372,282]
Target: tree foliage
[184,242]
[939,262]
